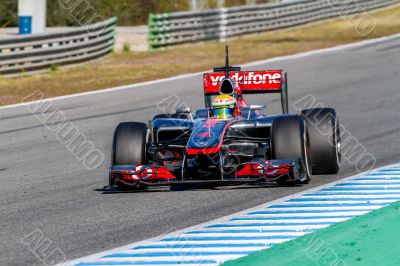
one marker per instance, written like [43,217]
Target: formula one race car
[228,142]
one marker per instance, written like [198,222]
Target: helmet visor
[223,113]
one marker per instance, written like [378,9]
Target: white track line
[238,234]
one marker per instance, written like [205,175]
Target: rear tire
[324,131]
[289,140]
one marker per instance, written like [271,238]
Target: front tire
[289,140]
[129,145]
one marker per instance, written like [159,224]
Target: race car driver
[224,107]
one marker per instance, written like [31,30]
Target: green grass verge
[370,239]
[133,67]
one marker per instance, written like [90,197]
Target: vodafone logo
[249,78]
[246,81]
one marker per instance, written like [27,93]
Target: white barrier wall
[32,16]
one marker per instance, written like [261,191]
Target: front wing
[251,172]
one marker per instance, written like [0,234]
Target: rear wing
[249,82]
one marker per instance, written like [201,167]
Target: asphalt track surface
[44,187]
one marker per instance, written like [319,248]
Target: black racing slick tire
[289,140]
[324,131]
[129,144]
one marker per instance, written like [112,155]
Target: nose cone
[206,137]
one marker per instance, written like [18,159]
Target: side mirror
[183,109]
[252,111]
[258,107]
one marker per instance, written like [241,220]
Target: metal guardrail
[194,26]
[25,54]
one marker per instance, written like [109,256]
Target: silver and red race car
[199,149]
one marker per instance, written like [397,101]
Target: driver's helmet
[223,106]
